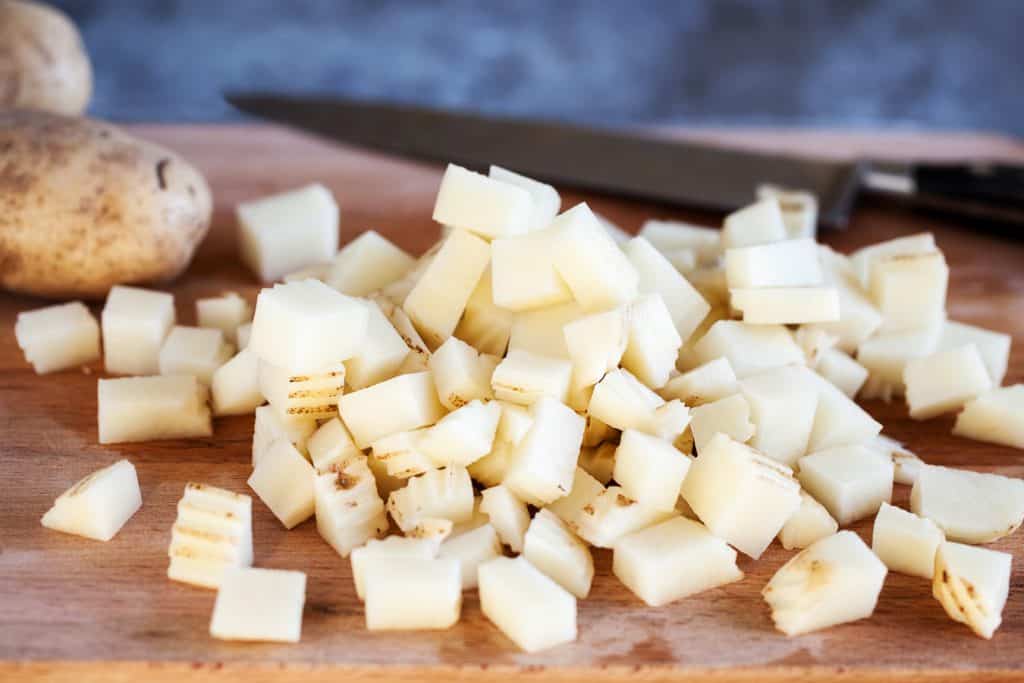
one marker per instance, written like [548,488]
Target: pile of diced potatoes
[540,385]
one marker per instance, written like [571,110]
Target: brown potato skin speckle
[84,206]
[43,63]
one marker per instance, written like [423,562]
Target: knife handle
[997,186]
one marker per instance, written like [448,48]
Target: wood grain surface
[73,609]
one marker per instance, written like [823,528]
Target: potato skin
[43,63]
[84,206]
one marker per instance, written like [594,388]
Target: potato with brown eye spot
[84,206]
[43,64]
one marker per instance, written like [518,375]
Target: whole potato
[43,64]
[84,206]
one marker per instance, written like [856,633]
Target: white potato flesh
[886,355]
[788,263]
[843,371]
[471,549]
[787,305]
[649,469]
[852,482]
[397,291]
[542,465]
[546,201]
[98,505]
[597,432]
[283,480]
[475,521]
[331,443]
[833,581]
[595,344]
[349,511]
[413,594]
[757,223]
[621,401]
[58,337]
[683,260]
[710,283]
[512,427]
[611,514]
[945,381]
[391,550]
[463,436]
[367,264]
[260,605]
[596,271]
[380,355]
[402,455]
[135,323]
[311,394]
[316,271]
[150,408]
[616,232]
[672,560]
[863,260]
[750,349]
[507,514]
[741,496]
[527,606]
[994,347]
[569,509]
[235,386]
[666,236]
[910,291]
[523,273]
[287,231]
[704,384]
[810,523]
[729,415]
[460,373]
[307,326]
[439,298]
[226,313]
[484,324]
[396,405]
[839,421]
[540,331]
[905,542]
[658,276]
[653,344]
[242,334]
[524,378]
[799,209]
[858,319]
[814,342]
[194,351]
[969,507]
[972,585]
[906,465]
[994,417]
[439,494]
[551,547]
[487,206]
[212,532]
[783,403]
[269,426]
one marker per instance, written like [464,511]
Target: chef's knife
[629,164]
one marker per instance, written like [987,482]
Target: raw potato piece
[259,604]
[150,408]
[555,550]
[269,426]
[440,296]
[970,507]
[863,260]
[523,273]
[439,494]
[542,465]
[212,533]
[570,509]
[650,470]
[283,480]
[58,337]
[611,514]
[485,325]
[729,416]
[783,403]
[484,205]
[595,345]
[235,386]
[658,276]
[541,331]
[905,542]
[706,383]
[287,231]
[507,514]
[810,523]
[741,496]
[243,333]
[671,560]
[527,606]
[399,404]
[135,322]
[839,421]
[910,291]
[379,356]
[98,505]
[512,427]
[994,417]
[994,347]
[972,585]
[843,371]
[945,381]
[749,349]
[348,510]
[787,305]
[621,401]
[886,355]
[367,264]
[525,378]
[596,271]
[413,594]
[194,351]
[463,436]
[312,395]
[460,374]
[225,313]
[546,202]
[666,236]
[391,550]
[799,209]
[471,549]
[653,341]
[834,581]
[787,264]
[851,481]
[755,224]
[402,455]
[307,326]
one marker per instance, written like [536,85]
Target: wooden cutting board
[73,609]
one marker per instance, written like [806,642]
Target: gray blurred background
[845,63]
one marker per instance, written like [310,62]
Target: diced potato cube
[788,263]
[649,469]
[507,514]
[969,507]
[379,356]
[843,371]
[269,426]
[757,223]
[783,403]
[235,386]
[945,381]
[523,272]
[242,334]
[542,465]
[545,199]
[839,421]
[886,355]
[799,209]
[750,349]
[460,373]
[485,325]
[135,322]
[438,494]
[527,606]
[994,417]
[212,533]
[331,443]
[730,416]
[287,231]
[539,331]
[704,384]
[283,480]
[391,550]
[97,506]
[368,263]
[787,305]
[471,549]
[671,560]
[910,291]
[310,394]
[348,510]
[225,313]
[570,509]
[555,550]
[851,481]
[396,405]
[463,436]
[595,344]
[858,319]
[811,522]
[863,260]
[666,236]
[194,351]
[972,585]
[659,276]
[149,408]
[653,342]
[611,514]
[486,206]
[905,542]
[58,337]
[524,378]
[994,347]
[259,604]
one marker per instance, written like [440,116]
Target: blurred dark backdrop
[922,63]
